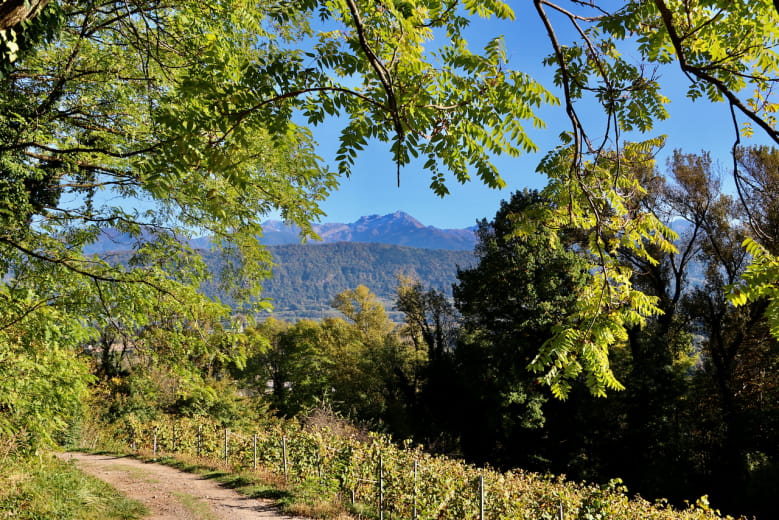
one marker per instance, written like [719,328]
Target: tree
[371,369]
[726,50]
[15,12]
[734,391]
[25,24]
[649,422]
[367,314]
[758,188]
[64,139]
[510,303]
[691,416]
[429,316]
[43,385]
[432,327]
[161,121]
[291,359]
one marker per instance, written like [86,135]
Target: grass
[47,488]
[195,506]
[134,473]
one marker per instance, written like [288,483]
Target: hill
[372,251]
[307,277]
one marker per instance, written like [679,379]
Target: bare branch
[381,72]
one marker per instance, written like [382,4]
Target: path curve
[171,494]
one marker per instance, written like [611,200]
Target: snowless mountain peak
[398,228]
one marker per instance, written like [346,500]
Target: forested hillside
[306,277]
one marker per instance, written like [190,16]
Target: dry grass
[328,510]
[9,445]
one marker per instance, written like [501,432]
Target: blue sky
[372,189]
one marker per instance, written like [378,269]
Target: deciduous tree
[511,303]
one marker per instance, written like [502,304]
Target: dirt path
[171,494]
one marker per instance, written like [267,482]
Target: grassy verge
[52,489]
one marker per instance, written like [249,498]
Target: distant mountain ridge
[372,251]
[399,228]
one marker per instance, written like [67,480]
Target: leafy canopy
[160,120]
[727,50]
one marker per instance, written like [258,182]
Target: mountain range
[399,228]
[306,277]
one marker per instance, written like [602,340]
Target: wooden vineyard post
[284,456]
[199,437]
[225,444]
[381,488]
[481,497]
[416,490]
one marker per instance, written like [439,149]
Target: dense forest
[306,276]
[576,342]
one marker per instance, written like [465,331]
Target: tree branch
[27,311]
[14,12]
[66,263]
[381,72]
[700,73]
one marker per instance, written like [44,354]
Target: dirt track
[171,494]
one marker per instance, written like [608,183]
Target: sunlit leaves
[728,50]
[600,201]
[176,116]
[42,383]
[441,102]
[759,281]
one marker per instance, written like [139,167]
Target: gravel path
[171,494]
